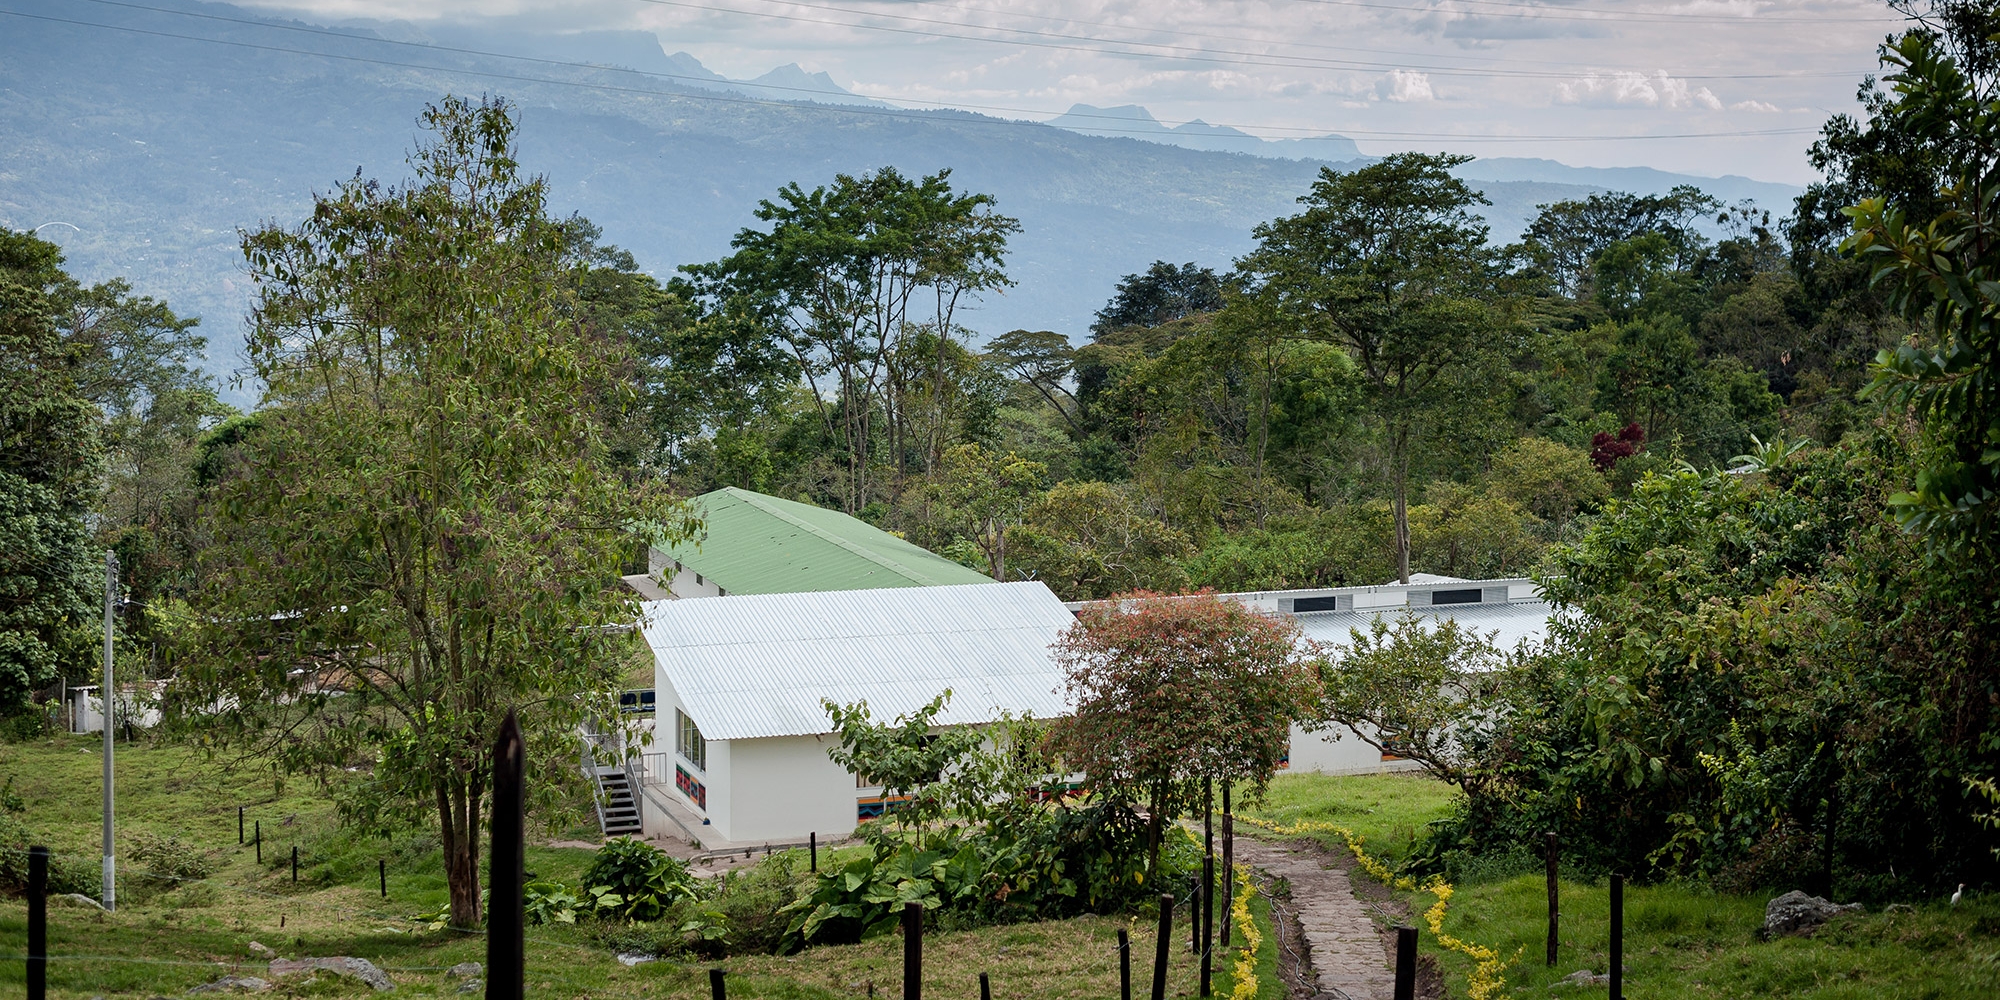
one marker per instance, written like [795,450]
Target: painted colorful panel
[877,806]
[690,787]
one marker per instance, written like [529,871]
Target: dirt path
[1344,945]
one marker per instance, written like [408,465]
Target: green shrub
[66,874]
[168,862]
[547,902]
[635,880]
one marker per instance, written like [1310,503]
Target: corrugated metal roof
[758,544]
[1514,621]
[758,665]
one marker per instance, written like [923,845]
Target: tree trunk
[458,814]
[1399,470]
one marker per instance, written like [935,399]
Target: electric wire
[851,110]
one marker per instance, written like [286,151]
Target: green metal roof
[758,544]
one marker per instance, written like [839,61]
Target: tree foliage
[424,531]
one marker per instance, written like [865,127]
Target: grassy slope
[167,942]
[1680,940]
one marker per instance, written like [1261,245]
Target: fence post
[506,969]
[260,841]
[1228,864]
[295,864]
[239,826]
[716,989]
[1549,840]
[38,923]
[1617,969]
[1124,965]
[812,844]
[913,951]
[1207,914]
[1406,963]
[1166,938]
[985,988]
[382,873]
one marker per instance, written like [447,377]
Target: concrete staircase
[617,785]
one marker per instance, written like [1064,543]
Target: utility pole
[110,608]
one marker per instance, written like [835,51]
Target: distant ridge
[1132,121]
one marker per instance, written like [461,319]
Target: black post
[1406,963]
[506,968]
[812,844]
[239,826]
[716,990]
[1160,956]
[1228,864]
[985,988]
[382,872]
[1617,937]
[260,841]
[1549,841]
[1207,883]
[1124,965]
[38,923]
[913,951]
[295,864]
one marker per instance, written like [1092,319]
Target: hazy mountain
[159,135]
[1133,121]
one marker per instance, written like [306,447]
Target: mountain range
[144,136]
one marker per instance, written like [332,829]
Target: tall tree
[51,467]
[844,272]
[1160,294]
[1391,263]
[423,531]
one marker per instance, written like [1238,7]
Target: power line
[1233,57]
[1543,12]
[852,110]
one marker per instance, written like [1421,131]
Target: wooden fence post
[1166,940]
[1228,864]
[506,917]
[382,874]
[1549,840]
[239,826]
[913,951]
[1617,969]
[38,923]
[295,864]
[1406,963]
[718,991]
[260,841]
[812,844]
[985,988]
[1124,965]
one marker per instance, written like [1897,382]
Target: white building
[742,734]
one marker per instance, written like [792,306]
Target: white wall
[1338,751]
[784,787]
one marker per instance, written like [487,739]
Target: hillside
[158,131]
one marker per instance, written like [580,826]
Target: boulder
[249,984]
[471,986]
[1797,913]
[259,949]
[359,968]
[463,970]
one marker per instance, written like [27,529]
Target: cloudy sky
[1700,86]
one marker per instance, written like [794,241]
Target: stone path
[1343,944]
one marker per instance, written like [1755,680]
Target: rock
[79,899]
[466,970]
[629,958]
[1585,977]
[471,986]
[1797,913]
[359,968]
[248,983]
[258,949]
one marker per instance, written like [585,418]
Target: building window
[690,744]
[1304,605]
[1455,596]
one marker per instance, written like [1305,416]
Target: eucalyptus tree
[423,530]
[1391,263]
[844,273]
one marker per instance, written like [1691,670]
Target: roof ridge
[756,500]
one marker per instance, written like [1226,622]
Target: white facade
[752,670]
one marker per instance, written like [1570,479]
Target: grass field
[164,942]
[1680,940]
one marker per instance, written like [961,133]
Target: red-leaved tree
[1173,691]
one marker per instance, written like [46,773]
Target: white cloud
[1757,106]
[1405,86]
[1636,90]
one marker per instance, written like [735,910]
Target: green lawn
[1680,940]
[167,941]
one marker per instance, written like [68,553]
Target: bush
[168,862]
[635,880]
[66,874]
